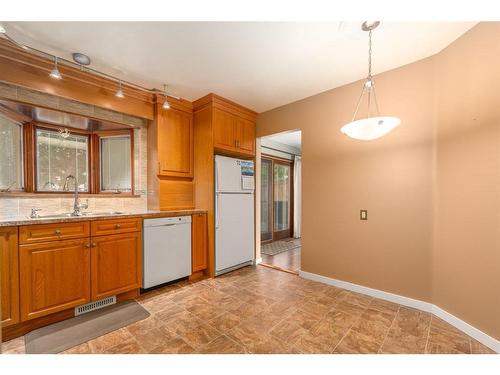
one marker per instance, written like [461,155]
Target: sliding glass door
[266,200]
[276,199]
[282,183]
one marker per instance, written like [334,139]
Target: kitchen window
[11,155]
[115,163]
[38,158]
[61,153]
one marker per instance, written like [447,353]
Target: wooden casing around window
[30,158]
[96,159]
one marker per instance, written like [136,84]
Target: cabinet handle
[159,167]
[87,245]
[93,244]
[118,226]
[57,232]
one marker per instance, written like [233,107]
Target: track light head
[55,72]
[166,104]
[2,30]
[119,93]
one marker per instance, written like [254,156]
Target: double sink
[83,214]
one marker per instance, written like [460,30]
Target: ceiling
[293,139]
[261,65]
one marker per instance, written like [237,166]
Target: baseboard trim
[465,327]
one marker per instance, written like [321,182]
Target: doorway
[276,198]
[279,194]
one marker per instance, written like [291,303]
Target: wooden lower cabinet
[199,242]
[54,276]
[9,273]
[116,264]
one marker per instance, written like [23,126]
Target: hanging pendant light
[371,127]
[166,104]
[55,72]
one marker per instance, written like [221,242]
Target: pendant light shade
[370,127]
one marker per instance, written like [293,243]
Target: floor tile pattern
[288,260]
[261,310]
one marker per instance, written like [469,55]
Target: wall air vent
[96,305]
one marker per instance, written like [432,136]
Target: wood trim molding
[226,105]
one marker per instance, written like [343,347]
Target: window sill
[22,194]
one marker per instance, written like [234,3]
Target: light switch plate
[363,214]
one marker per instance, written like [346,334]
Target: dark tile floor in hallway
[261,310]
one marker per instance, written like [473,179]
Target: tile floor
[287,260]
[261,310]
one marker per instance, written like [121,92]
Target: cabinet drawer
[115,226]
[50,232]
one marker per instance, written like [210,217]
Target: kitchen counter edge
[23,220]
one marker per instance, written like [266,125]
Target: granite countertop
[25,220]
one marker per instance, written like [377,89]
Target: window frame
[94,178]
[43,126]
[18,122]
[96,146]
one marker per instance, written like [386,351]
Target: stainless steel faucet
[77,206]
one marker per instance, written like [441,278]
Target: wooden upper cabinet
[116,264]
[199,242]
[9,276]
[246,136]
[225,130]
[175,143]
[233,133]
[54,276]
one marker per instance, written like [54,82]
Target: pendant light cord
[369,85]
[370,55]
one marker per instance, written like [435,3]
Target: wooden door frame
[278,160]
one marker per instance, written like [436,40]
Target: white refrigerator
[234,213]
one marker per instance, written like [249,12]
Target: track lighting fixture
[166,104]
[82,62]
[55,72]
[119,93]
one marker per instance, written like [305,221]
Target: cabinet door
[55,276]
[199,242]
[246,136]
[225,130]
[116,264]
[175,143]
[10,278]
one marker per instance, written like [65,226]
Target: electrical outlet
[363,214]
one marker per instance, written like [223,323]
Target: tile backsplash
[14,206]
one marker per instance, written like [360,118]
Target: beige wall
[466,258]
[395,179]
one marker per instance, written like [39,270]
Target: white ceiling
[293,139]
[261,65]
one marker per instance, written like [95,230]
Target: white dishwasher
[166,250]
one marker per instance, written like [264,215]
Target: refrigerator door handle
[216,210]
